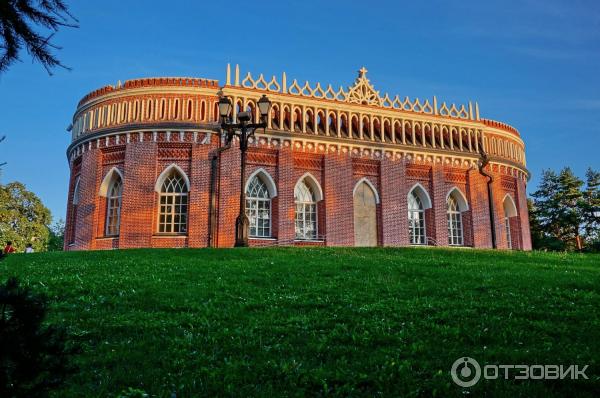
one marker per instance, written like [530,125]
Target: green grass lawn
[318,321]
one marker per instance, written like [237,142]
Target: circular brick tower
[334,167]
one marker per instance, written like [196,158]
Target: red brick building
[334,167]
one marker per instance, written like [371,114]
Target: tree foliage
[562,212]
[591,204]
[34,358]
[18,20]
[2,163]
[23,218]
[57,236]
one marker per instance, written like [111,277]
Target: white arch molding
[108,180]
[370,184]
[421,192]
[266,178]
[510,209]
[76,191]
[463,205]
[161,178]
[313,183]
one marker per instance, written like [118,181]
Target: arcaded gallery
[150,167]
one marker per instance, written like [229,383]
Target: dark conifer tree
[34,359]
[19,18]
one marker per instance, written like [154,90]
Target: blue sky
[533,64]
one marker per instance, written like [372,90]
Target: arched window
[173,211]
[510,211]
[416,219]
[75,204]
[258,208]
[75,200]
[455,225]
[113,207]
[306,211]
[508,234]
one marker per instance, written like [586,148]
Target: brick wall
[285,197]
[199,196]
[89,184]
[477,197]
[337,187]
[394,209]
[337,174]
[138,208]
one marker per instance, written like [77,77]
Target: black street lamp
[243,129]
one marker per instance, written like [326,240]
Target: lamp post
[484,159]
[243,128]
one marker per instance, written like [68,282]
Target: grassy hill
[319,322]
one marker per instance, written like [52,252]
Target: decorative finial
[362,72]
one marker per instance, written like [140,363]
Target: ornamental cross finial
[362,72]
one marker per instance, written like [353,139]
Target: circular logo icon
[465,372]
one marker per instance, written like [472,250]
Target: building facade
[344,167]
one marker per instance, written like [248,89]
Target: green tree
[591,204]
[558,206]
[57,236]
[18,18]
[23,217]
[540,238]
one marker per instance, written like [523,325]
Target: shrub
[34,359]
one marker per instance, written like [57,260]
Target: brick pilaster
[285,197]
[498,194]
[199,198]
[89,184]
[229,195]
[440,220]
[138,208]
[478,203]
[339,207]
[523,215]
[394,207]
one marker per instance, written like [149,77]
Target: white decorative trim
[511,211]
[271,186]
[314,183]
[370,184]
[463,205]
[161,178]
[108,179]
[422,193]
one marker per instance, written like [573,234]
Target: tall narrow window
[306,212]
[510,213]
[113,207]
[416,220]
[455,225]
[508,235]
[173,211]
[75,204]
[258,208]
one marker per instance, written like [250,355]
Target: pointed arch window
[455,224]
[258,208]
[510,211]
[416,219]
[113,207]
[306,211]
[173,205]
[75,204]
